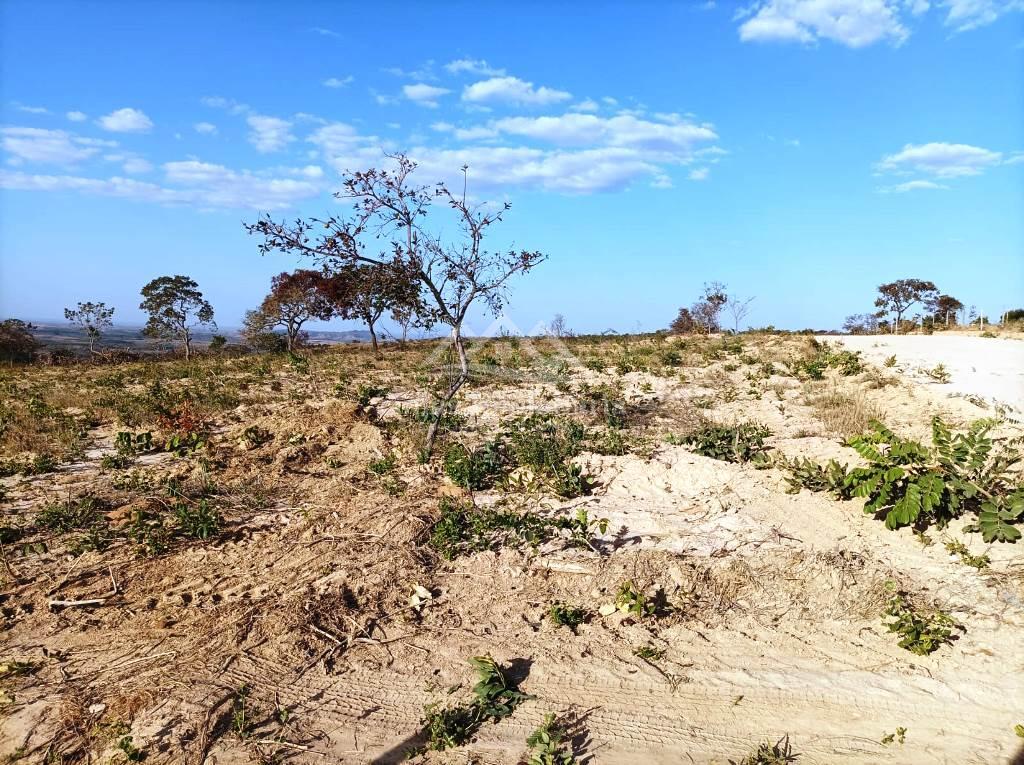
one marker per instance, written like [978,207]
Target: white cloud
[586,105]
[425,72]
[854,23]
[589,154]
[963,15]
[324,32]
[671,135]
[941,160]
[424,95]
[227,104]
[126,120]
[512,90]
[188,182]
[335,82]
[206,128]
[77,116]
[136,165]
[31,109]
[473,66]
[56,147]
[699,174]
[269,134]
[902,188]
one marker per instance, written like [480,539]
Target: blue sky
[801,151]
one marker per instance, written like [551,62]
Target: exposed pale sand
[990,367]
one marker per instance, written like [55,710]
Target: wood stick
[72,603]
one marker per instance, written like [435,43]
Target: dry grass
[843,413]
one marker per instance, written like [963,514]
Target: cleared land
[989,367]
[339,593]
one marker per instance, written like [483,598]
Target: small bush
[547,745]
[731,443]
[921,632]
[199,520]
[495,698]
[564,615]
[478,469]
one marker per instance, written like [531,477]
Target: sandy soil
[990,367]
[776,628]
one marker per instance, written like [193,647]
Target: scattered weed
[495,698]
[732,443]
[900,737]
[564,615]
[547,745]
[920,632]
[958,548]
[778,753]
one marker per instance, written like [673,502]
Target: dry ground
[289,634]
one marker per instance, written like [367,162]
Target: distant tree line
[894,304]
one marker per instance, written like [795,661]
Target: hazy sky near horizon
[801,151]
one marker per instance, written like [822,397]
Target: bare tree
[389,227]
[92,319]
[738,308]
[708,308]
[557,326]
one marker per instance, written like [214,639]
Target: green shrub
[731,443]
[914,484]
[479,469]
[464,528]
[921,632]
[70,515]
[199,520]
[565,615]
[495,697]
[547,744]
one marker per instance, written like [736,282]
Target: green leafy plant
[958,548]
[241,719]
[631,600]
[131,752]
[495,698]
[254,437]
[565,615]
[199,519]
[384,465]
[649,653]
[182,444]
[807,474]
[732,443]
[921,632]
[547,744]
[478,469]
[914,484]
[890,362]
[464,528]
[71,515]
[126,442]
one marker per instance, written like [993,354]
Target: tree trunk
[453,388]
[373,338]
[188,346]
